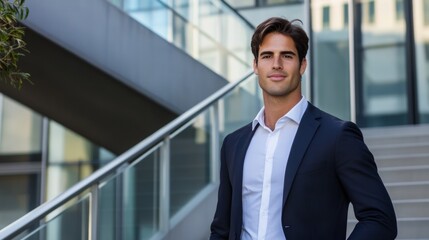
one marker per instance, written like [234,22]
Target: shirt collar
[295,114]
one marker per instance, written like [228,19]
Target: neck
[277,107]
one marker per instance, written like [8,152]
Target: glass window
[331,88]
[259,3]
[371,11]
[272,2]
[382,87]
[346,14]
[368,12]
[20,132]
[399,9]
[71,158]
[425,9]
[19,195]
[241,3]
[326,16]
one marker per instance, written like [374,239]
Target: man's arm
[358,174]
[220,226]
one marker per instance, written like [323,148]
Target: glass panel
[19,194]
[71,158]
[331,86]
[241,3]
[109,210]
[272,2]
[260,3]
[20,132]
[70,224]
[240,106]
[421,36]
[207,30]
[383,98]
[190,162]
[141,198]
[129,202]
[149,13]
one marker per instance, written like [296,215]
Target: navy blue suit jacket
[329,166]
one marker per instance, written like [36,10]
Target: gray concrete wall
[109,39]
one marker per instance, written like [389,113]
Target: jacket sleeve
[220,226]
[358,174]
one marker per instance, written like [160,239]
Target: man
[292,172]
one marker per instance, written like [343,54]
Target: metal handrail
[203,33]
[44,209]
[238,14]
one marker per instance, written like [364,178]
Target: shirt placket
[266,185]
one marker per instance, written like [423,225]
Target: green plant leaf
[12,45]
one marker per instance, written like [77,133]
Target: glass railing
[208,30]
[137,195]
[39,159]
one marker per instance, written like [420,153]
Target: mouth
[276,76]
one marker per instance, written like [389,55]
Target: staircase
[402,157]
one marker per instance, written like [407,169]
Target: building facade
[368,58]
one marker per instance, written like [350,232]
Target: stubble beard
[280,91]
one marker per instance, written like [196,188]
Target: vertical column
[119,203]
[214,144]
[164,218]
[413,114]
[93,215]
[45,154]
[355,22]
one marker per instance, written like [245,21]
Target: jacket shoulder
[329,120]
[239,132]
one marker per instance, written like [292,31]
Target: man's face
[278,66]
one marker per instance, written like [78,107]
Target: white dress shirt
[264,173]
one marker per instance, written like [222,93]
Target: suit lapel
[241,154]
[238,163]
[306,130]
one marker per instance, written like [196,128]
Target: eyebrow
[282,52]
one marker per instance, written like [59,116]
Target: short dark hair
[282,26]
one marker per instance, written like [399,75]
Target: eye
[265,56]
[289,56]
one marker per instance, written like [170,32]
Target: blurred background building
[109,73]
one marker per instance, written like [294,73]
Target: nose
[277,64]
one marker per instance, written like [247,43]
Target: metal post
[45,154]
[44,166]
[214,144]
[164,218]
[93,215]
[119,204]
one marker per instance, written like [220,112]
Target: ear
[303,66]
[255,66]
